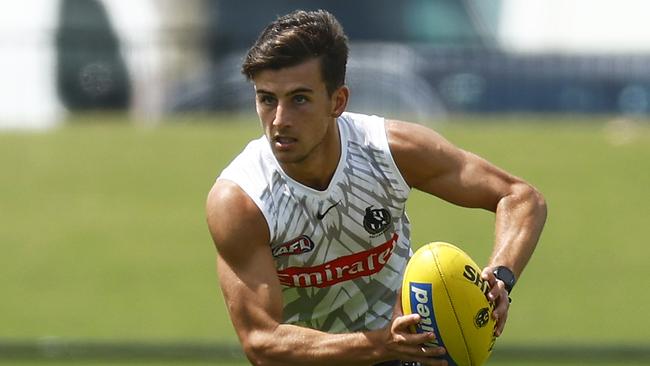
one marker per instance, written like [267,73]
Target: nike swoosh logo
[321,215]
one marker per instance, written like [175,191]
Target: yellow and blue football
[444,286]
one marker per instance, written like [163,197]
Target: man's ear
[340,100]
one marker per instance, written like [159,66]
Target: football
[444,285]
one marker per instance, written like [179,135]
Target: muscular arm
[431,164]
[253,296]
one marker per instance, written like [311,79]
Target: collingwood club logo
[482,318]
[376,221]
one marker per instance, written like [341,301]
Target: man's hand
[403,345]
[498,295]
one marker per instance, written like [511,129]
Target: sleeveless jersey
[339,253]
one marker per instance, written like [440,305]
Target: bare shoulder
[233,218]
[403,131]
[420,152]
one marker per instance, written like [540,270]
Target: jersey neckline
[343,138]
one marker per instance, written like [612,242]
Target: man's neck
[318,169]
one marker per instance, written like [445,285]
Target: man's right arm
[253,296]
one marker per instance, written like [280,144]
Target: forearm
[295,345]
[520,218]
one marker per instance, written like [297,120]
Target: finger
[501,311]
[497,290]
[402,323]
[419,339]
[424,355]
[414,339]
[433,351]
[501,324]
[492,281]
[501,320]
[500,299]
[488,275]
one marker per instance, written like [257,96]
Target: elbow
[537,205]
[525,196]
[260,349]
[256,350]
[540,204]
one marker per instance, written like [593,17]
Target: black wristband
[504,274]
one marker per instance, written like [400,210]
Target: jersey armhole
[398,174]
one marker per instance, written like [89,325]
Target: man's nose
[282,116]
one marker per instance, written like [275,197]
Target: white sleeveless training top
[339,253]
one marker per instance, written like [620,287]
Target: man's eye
[266,99]
[300,99]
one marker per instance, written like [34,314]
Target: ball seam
[451,302]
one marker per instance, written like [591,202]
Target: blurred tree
[91,73]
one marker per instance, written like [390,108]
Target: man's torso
[339,253]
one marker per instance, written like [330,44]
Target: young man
[309,220]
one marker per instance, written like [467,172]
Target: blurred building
[425,58]
[419,59]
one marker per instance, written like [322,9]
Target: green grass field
[103,235]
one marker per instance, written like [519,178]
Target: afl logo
[376,221]
[299,245]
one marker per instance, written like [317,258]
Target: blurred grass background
[103,234]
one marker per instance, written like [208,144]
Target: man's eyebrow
[291,92]
[300,90]
[262,91]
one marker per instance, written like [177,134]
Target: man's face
[295,110]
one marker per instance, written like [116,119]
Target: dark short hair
[298,37]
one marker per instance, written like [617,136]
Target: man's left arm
[432,164]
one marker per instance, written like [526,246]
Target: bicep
[245,267]
[432,164]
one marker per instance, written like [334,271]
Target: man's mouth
[283,142]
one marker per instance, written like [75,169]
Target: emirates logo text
[340,269]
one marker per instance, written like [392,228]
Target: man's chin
[285,157]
